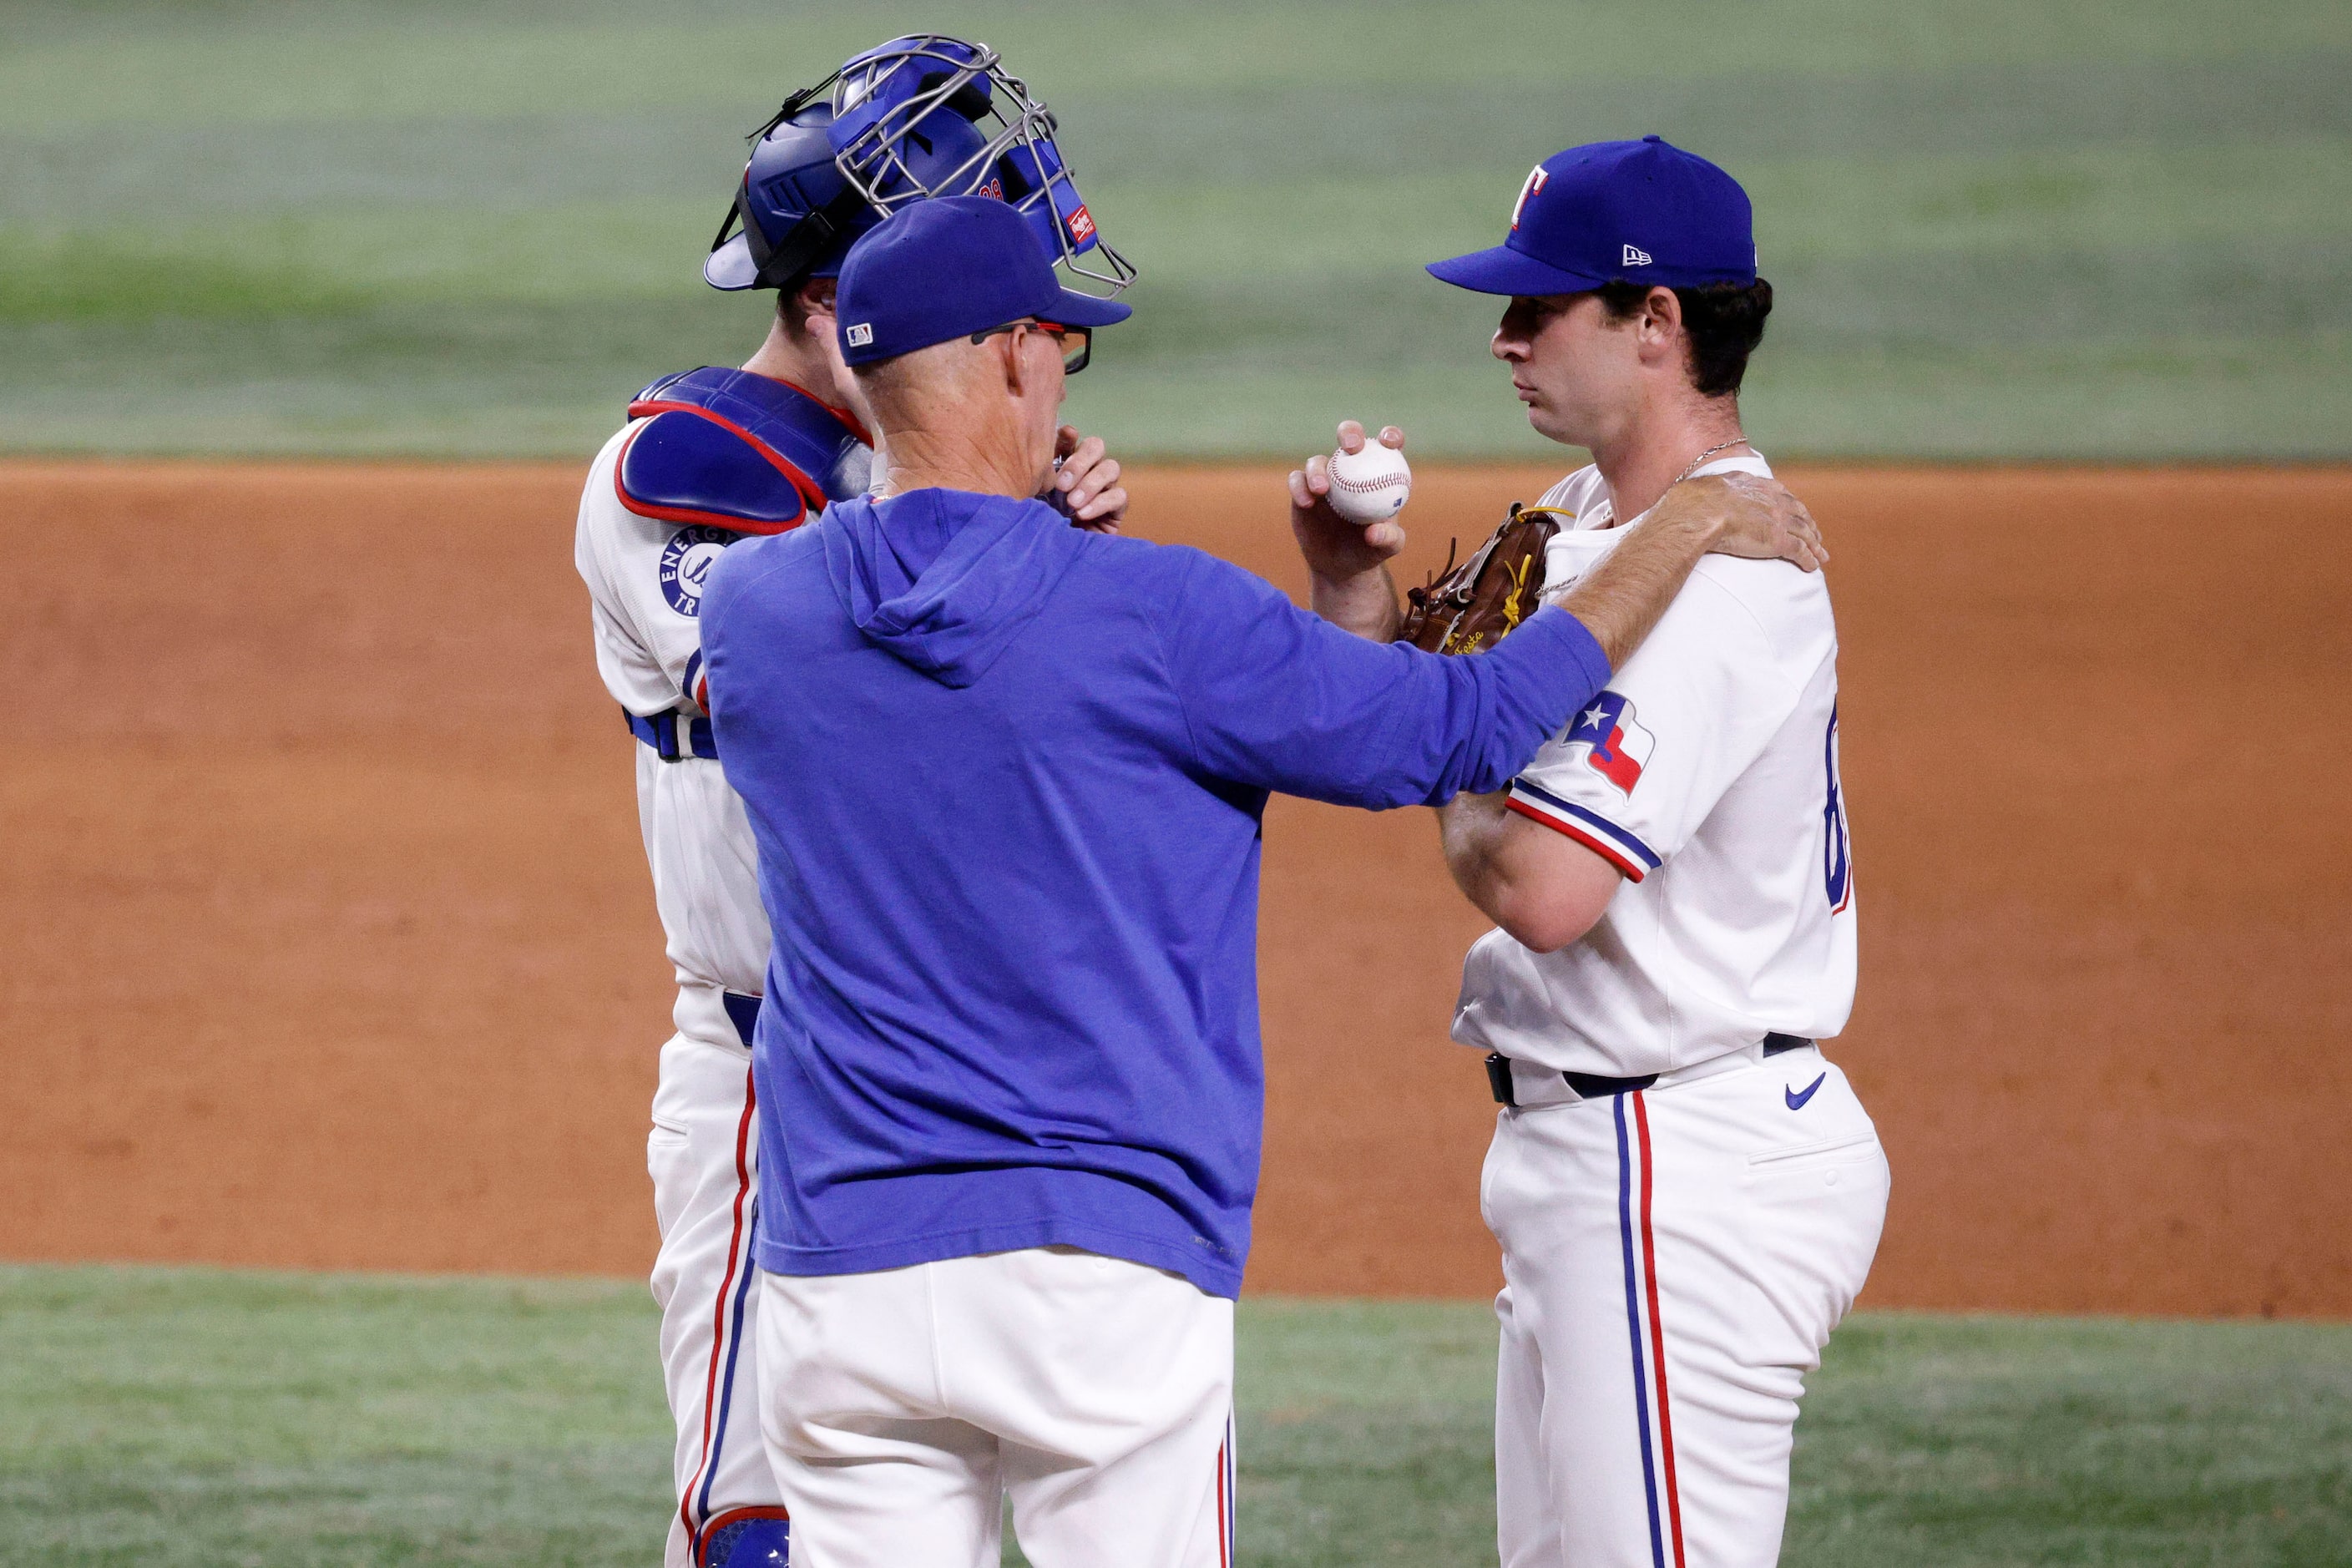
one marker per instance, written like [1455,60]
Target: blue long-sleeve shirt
[1006,780]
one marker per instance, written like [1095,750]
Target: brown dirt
[327,940]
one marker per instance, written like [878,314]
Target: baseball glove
[1465,608]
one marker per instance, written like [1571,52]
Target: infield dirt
[328,941]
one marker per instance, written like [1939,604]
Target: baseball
[1369,486]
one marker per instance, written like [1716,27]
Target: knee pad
[749,1543]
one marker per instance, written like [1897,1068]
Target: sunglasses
[1077,342]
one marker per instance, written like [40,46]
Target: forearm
[1365,603]
[1545,890]
[1470,828]
[1619,600]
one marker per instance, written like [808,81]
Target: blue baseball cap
[945,268]
[1639,212]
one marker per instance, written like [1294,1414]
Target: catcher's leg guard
[748,1541]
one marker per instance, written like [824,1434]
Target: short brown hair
[1724,321]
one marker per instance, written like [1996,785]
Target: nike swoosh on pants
[1796,1102]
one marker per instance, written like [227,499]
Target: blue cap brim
[731,265]
[1072,309]
[1502,270]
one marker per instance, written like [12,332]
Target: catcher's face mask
[902,111]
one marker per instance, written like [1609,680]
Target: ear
[811,300]
[1017,379]
[1660,324]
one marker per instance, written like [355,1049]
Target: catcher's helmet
[797,215]
[919,117]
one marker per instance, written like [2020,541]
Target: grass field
[1998,228]
[159,1417]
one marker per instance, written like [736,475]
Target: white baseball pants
[1674,1260]
[704,1156]
[901,1407]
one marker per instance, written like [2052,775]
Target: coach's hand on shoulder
[1086,487]
[1751,516]
[1337,550]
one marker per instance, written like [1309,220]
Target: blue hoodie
[1006,780]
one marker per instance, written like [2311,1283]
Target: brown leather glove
[1469,607]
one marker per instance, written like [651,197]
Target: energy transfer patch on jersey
[1616,746]
[686,561]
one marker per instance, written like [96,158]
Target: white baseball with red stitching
[1371,485]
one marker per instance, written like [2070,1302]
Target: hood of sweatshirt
[946,580]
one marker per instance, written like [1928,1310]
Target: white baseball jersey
[644,579]
[1707,774]
[645,576]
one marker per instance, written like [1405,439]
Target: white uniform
[1678,1250]
[644,579]
[1094,1394]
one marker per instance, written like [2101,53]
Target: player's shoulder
[1773,603]
[728,448]
[1576,493]
[1789,604]
[609,534]
[686,465]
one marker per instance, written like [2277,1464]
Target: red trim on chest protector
[814,499]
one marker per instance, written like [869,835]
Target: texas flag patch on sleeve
[1616,746]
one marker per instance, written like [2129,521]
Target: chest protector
[739,451]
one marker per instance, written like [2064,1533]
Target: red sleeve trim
[1633,873]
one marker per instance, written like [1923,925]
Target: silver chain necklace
[1700,461]
[1696,465]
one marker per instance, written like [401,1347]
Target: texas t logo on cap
[1535,182]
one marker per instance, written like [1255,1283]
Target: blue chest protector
[731,450]
[738,451]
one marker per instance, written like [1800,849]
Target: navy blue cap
[948,267]
[1639,212]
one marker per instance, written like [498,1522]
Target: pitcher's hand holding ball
[1338,548]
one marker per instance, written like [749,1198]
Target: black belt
[1592,1086]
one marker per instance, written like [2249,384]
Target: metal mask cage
[1017,160]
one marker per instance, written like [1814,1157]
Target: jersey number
[1837,854]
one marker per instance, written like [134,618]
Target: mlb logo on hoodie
[1617,747]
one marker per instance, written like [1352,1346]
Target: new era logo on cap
[1636,256]
[860,335]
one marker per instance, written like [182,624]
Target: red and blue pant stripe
[727,1313]
[1645,1332]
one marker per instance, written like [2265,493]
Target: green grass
[1998,228]
[165,1416]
